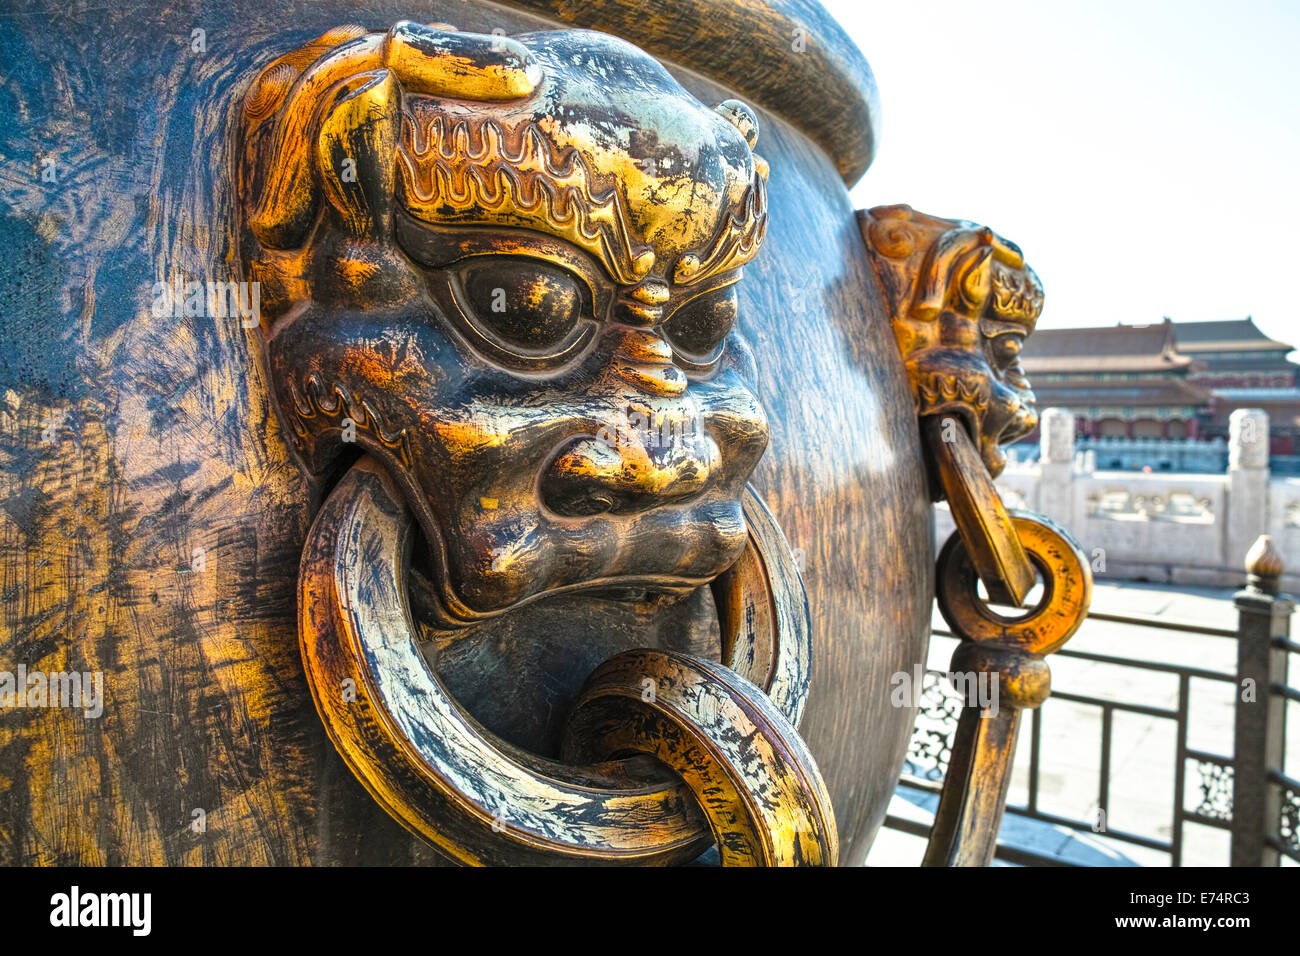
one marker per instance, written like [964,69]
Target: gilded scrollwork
[336,404]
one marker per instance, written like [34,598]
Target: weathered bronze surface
[153,516]
[982,521]
[751,774]
[789,55]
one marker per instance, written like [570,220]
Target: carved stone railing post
[1248,454]
[1056,466]
[1263,616]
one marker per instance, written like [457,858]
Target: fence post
[1262,616]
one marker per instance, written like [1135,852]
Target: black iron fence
[1246,793]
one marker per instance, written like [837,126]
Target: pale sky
[1145,155]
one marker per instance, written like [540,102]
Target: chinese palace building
[1172,382]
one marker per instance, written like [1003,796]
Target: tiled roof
[1128,348]
[1166,346]
[1229,335]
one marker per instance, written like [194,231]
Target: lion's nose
[626,470]
[645,361]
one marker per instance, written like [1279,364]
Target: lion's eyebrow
[738,239]
[466,169]
[472,170]
[298,86]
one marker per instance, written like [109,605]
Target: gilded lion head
[505,268]
[962,302]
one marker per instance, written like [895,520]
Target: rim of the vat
[827,90]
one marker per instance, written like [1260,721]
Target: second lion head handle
[962,301]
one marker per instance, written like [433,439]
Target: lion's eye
[698,328]
[528,306]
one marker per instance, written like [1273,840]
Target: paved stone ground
[1142,758]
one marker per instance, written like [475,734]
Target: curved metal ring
[475,797]
[1067,589]
[753,776]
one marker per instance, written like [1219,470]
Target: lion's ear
[355,152]
[372,69]
[977,279]
[940,270]
[290,196]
